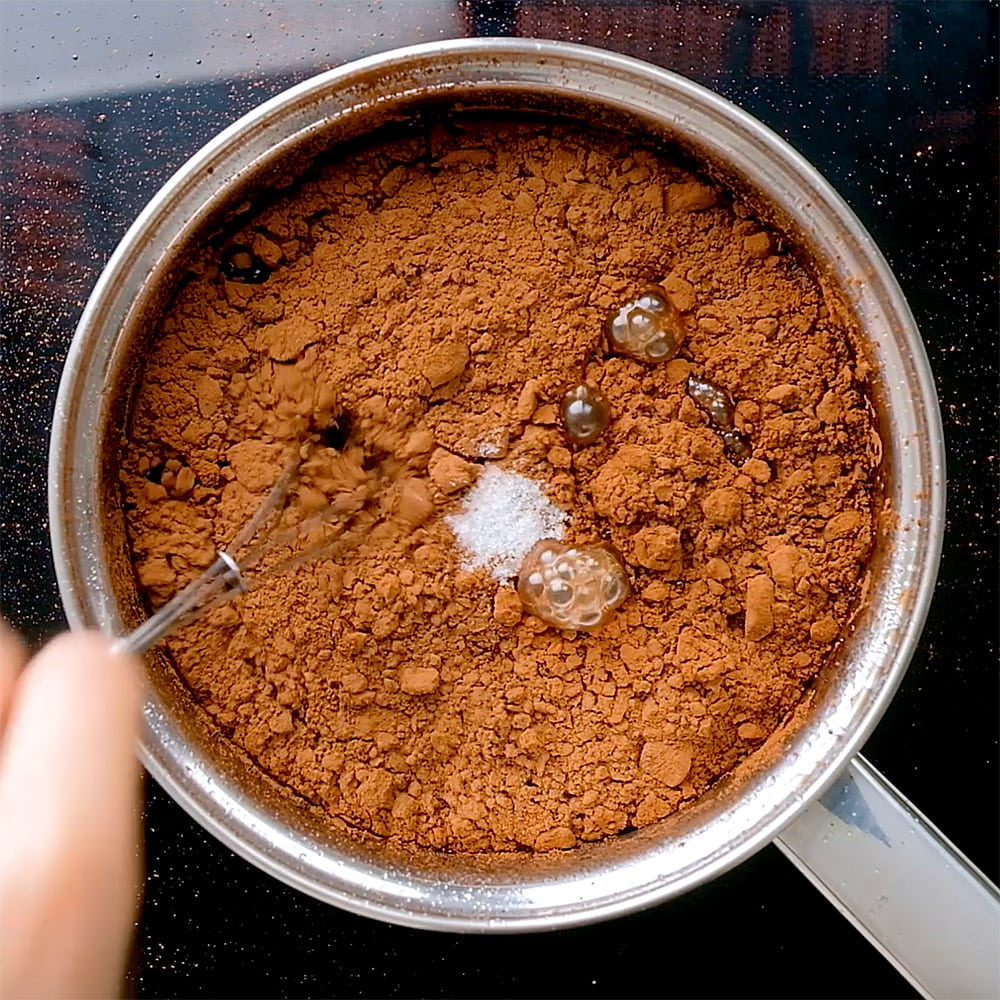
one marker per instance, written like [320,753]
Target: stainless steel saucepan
[837,819]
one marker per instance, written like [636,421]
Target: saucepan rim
[650,868]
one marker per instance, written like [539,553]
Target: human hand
[69,817]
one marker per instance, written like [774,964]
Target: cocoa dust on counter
[435,295]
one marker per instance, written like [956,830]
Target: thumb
[69,829]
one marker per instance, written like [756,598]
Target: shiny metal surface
[600,880]
[895,876]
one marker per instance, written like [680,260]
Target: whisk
[227,576]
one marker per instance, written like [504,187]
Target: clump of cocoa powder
[441,291]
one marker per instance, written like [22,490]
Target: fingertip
[69,810]
[69,749]
[76,703]
[10,642]
[87,660]
[13,656]
[84,646]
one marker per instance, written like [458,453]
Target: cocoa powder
[438,292]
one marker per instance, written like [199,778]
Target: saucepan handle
[922,903]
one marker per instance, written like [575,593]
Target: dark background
[896,104]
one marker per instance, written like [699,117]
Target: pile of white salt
[502,518]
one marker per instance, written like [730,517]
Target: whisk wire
[228,575]
[221,581]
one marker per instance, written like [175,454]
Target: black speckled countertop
[896,103]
